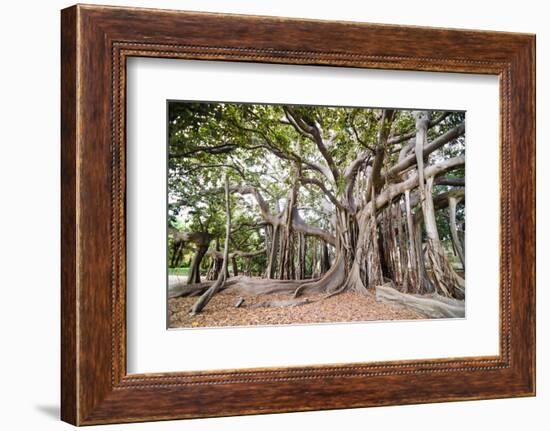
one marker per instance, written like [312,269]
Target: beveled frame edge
[95,43]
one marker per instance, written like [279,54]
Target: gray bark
[282,303]
[431,306]
[447,282]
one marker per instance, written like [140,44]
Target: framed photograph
[265,215]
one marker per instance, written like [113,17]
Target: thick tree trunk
[194,275]
[374,268]
[287,269]
[424,283]
[354,251]
[443,277]
[329,283]
[357,263]
[418,281]
[389,244]
[271,271]
[403,241]
[363,244]
[413,268]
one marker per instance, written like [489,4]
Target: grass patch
[179,271]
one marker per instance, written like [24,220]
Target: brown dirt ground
[221,311]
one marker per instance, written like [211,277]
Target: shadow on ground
[52,411]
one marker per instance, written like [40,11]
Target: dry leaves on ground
[221,311]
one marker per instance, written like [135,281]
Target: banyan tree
[319,199]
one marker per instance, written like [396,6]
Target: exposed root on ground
[330,282]
[432,306]
[283,303]
[240,284]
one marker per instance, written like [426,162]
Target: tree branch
[324,189]
[311,130]
[385,126]
[394,190]
[237,253]
[422,121]
[264,207]
[299,225]
[445,181]
[398,139]
[219,165]
[437,143]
